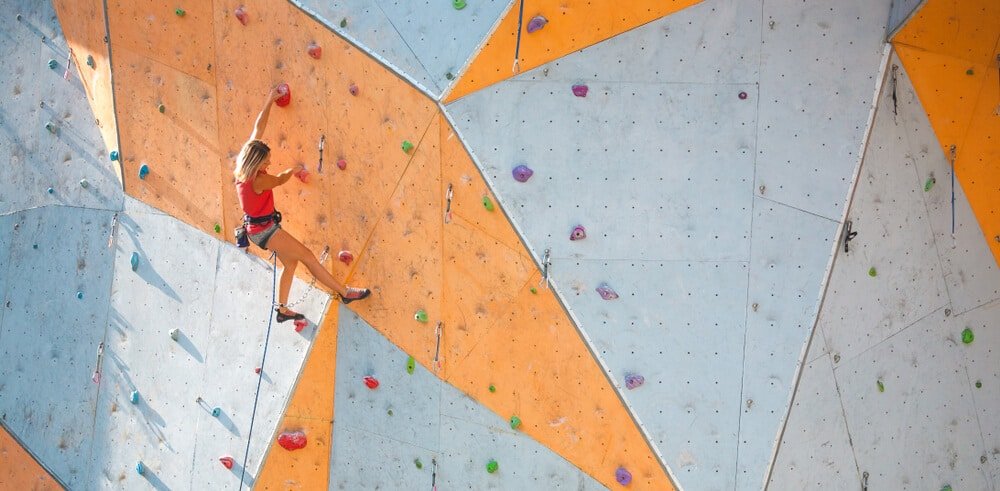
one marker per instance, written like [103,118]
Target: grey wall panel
[982,363]
[49,337]
[901,12]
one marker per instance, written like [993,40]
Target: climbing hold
[175,334]
[342,164]
[286,95]
[929,183]
[606,292]
[143,171]
[881,386]
[161,108]
[179,11]
[411,364]
[79,295]
[537,22]
[51,190]
[968,336]
[300,324]
[90,61]
[979,384]
[353,89]
[515,422]
[114,155]
[418,463]
[449,76]
[634,380]
[370,382]
[345,257]
[292,440]
[343,22]
[578,233]
[134,397]
[53,64]
[492,466]
[420,316]
[135,261]
[946,487]
[227,461]
[493,388]
[256,370]
[487,203]
[18,17]
[458,4]
[742,95]
[580,90]
[303,175]
[241,14]
[216,411]
[84,183]
[534,291]
[34,246]
[389,411]
[872,272]
[51,127]
[141,469]
[522,173]
[407,146]
[970,72]
[315,51]
[623,476]
[218,228]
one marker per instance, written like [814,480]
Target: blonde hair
[248,162]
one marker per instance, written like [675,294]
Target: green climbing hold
[180,12]
[515,422]
[343,22]
[449,76]
[881,386]
[51,127]
[872,272]
[979,384]
[493,388]
[929,184]
[90,61]
[492,466]
[407,146]
[970,72]
[946,487]
[534,290]
[420,316]
[968,336]
[418,463]
[458,4]
[487,203]
[389,412]
[161,108]
[84,184]
[53,64]
[410,365]
[218,228]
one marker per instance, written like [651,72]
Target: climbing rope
[517,47]
[260,375]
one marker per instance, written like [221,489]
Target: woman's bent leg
[287,246]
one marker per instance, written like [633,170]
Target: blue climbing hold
[79,295]
[141,469]
[53,64]
[216,411]
[143,171]
[114,155]
[135,261]
[51,191]
[134,398]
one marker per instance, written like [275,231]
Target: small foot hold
[353,294]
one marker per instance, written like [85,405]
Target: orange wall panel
[19,470]
[151,27]
[963,29]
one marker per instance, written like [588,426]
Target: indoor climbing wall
[712,218]
[902,379]
[398,426]
[901,12]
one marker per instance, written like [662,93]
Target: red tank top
[255,205]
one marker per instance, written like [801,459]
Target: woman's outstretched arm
[263,182]
[261,123]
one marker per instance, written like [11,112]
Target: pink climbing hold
[522,173]
[578,233]
[634,380]
[743,95]
[227,461]
[371,382]
[353,89]
[286,95]
[342,164]
[315,51]
[623,476]
[580,90]
[606,292]
[292,440]
[537,22]
[345,257]
[300,324]
[256,370]
[241,14]
[303,175]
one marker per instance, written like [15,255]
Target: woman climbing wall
[262,224]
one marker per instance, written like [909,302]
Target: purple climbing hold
[522,173]
[623,476]
[537,22]
[578,233]
[634,380]
[580,90]
[742,95]
[606,292]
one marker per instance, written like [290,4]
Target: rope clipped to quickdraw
[260,376]
[953,195]
[517,47]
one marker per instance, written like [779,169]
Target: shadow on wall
[134,230]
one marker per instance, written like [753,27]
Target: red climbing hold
[315,51]
[292,440]
[227,461]
[300,324]
[353,89]
[345,257]
[580,90]
[286,95]
[241,14]
[303,175]
[341,164]
[371,382]
[256,370]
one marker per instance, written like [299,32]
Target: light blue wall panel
[901,12]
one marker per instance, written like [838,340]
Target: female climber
[262,223]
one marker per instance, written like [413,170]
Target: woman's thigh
[287,247]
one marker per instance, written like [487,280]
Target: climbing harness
[240,233]
[848,236]
[953,195]
[322,141]
[517,47]
[447,208]
[260,376]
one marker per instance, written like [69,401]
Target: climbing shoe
[355,294]
[285,317]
